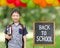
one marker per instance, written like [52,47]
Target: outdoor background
[29,15]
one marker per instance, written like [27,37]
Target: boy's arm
[25,39]
[24,36]
[6,35]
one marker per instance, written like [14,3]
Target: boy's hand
[7,36]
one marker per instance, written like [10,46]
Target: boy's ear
[11,17]
[20,16]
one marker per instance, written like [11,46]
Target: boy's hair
[15,10]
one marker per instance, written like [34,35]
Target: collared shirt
[16,40]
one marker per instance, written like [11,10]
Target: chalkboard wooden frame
[34,33]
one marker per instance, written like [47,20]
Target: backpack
[6,40]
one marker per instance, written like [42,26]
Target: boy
[15,34]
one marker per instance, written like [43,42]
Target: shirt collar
[18,24]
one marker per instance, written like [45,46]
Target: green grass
[30,43]
[2,44]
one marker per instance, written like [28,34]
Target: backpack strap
[10,30]
[22,27]
[22,35]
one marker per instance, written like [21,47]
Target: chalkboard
[44,33]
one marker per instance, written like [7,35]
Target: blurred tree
[29,15]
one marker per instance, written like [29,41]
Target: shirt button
[16,35]
[16,31]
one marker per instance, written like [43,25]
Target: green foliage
[29,15]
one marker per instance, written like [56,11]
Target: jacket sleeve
[25,31]
[6,30]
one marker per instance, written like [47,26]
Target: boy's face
[15,17]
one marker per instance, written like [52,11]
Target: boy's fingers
[8,37]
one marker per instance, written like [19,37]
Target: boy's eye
[15,15]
